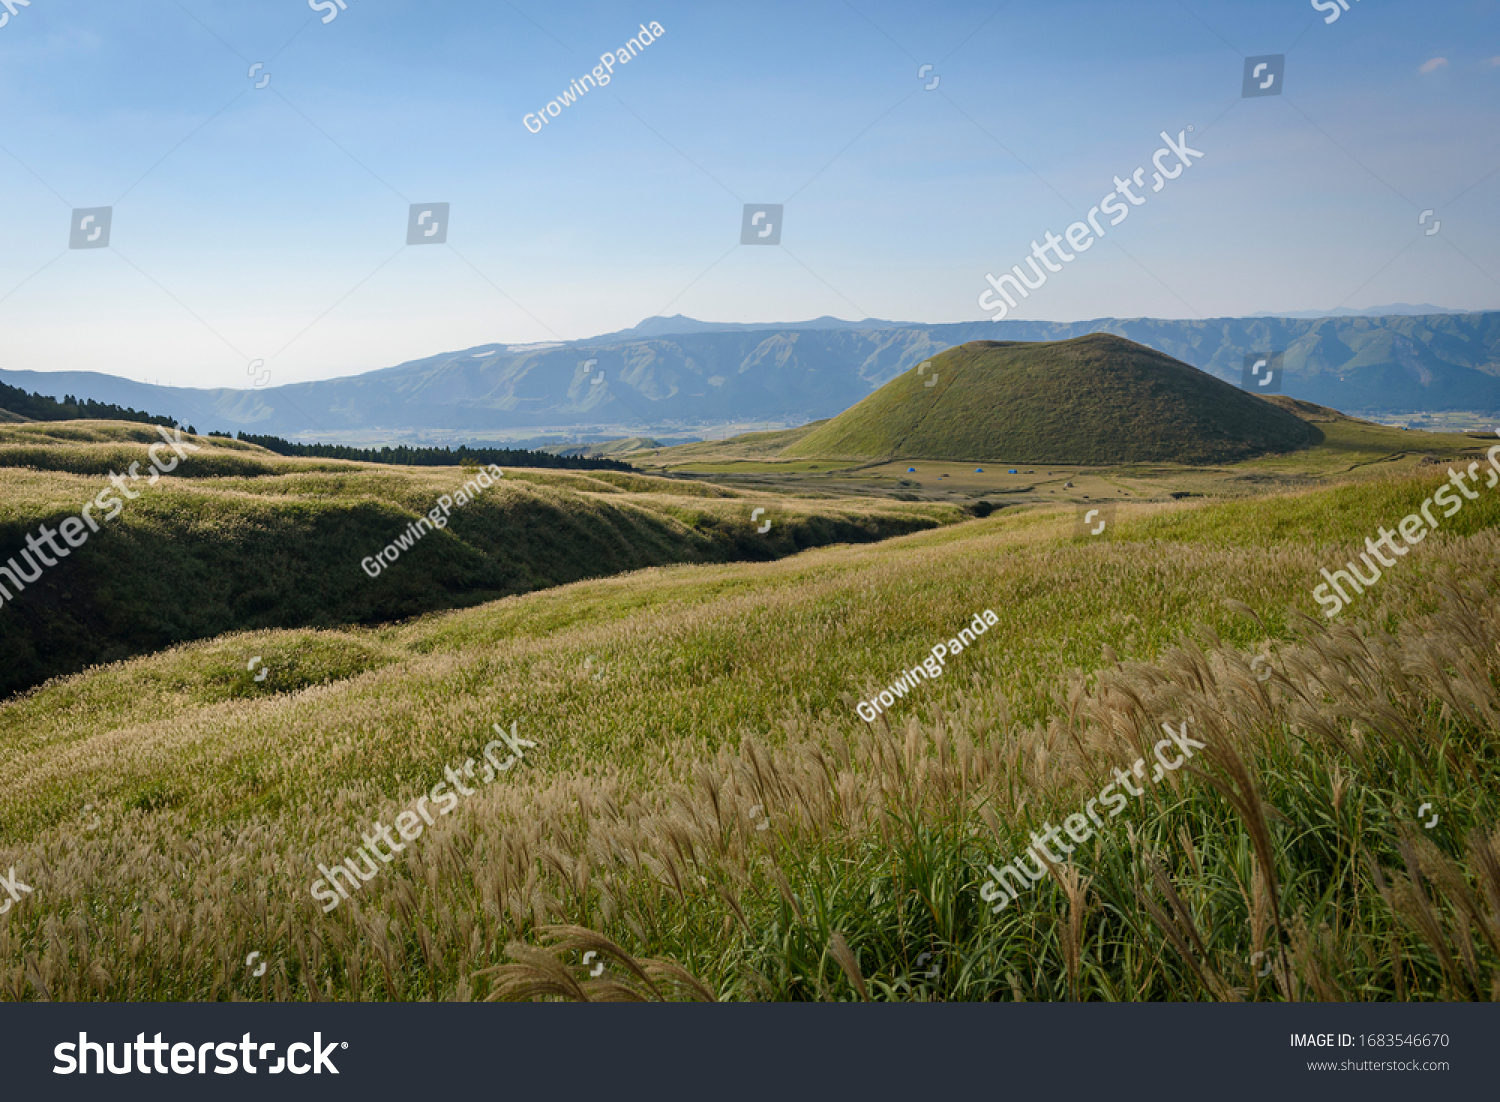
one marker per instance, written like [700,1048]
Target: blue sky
[271,223]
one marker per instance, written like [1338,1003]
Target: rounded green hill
[1093,399]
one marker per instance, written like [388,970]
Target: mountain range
[678,374]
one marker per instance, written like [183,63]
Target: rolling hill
[240,538]
[1093,399]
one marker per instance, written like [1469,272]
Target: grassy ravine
[169,812]
[238,537]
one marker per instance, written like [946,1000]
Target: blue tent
[911,470]
[979,470]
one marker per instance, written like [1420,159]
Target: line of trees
[40,407]
[404,456]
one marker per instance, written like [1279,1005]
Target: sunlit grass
[679,709]
[237,538]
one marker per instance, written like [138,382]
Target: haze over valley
[674,376]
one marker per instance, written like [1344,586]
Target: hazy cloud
[1434,65]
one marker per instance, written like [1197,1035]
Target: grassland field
[704,806]
[241,538]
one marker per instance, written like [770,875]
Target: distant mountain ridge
[680,323]
[667,383]
[1394,308]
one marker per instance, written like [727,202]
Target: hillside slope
[698,786]
[1093,399]
[238,538]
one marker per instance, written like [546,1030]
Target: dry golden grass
[237,538]
[710,816]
